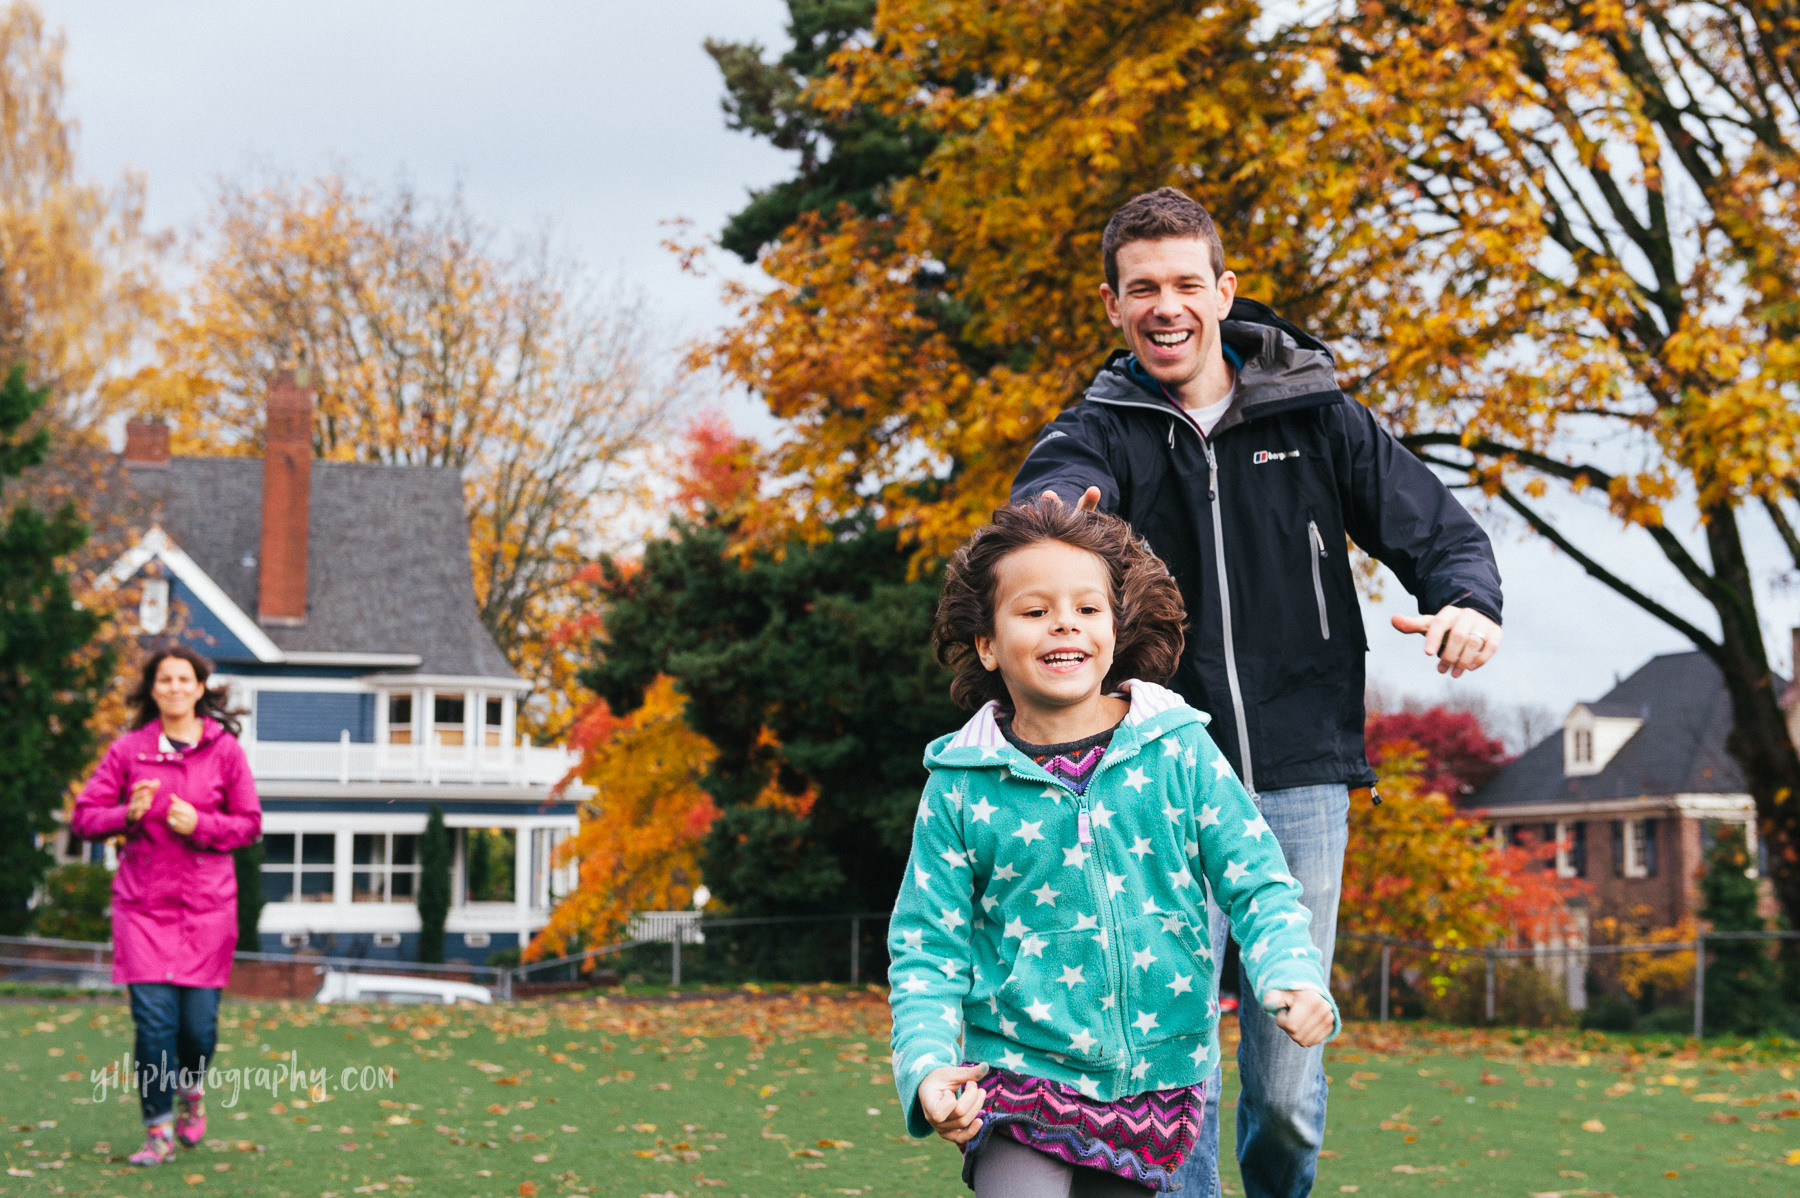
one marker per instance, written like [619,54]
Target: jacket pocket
[1168,985]
[1315,549]
[1050,1000]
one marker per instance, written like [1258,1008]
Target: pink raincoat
[175,897]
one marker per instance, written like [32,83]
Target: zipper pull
[1317,536]
[1084,832]
[1212,463]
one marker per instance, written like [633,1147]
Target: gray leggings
[1006,1168]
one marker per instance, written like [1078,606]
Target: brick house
[337,601]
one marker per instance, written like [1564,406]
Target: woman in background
[178,788]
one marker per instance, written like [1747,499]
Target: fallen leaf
[1593,1125]
[528,1189]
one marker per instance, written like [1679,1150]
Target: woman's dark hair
[1147,609]
[212,702]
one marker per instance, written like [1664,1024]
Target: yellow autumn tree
[1553,244]
[637,846]
[428,344]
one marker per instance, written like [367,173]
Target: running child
[1052,979]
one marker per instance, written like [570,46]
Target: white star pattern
[1173,923]
[1081,1042]
[1115,884]
[1255,905]
[1199,1055]
[1015,929]
[950,1017]
[1139,1070]
[951,919]
[914,983]
[1101,816]
[1141,848]
[988,903]
[1259,952]
[1181,879]
[993,1004]
[1190,848]
[1204,952]
[1255,828]
[915,938]
[1038,1011]
[1221,767]
[1101,940]
[1051,792]
[1005,873]
[982,811]
[1029,832]
[922,878]
[950,967]
[1172,813]
[1032,946]
[989,752]
[1045,896]
[1143,959]
[1150,907]
[1288,878]
[1012,1060]
[953,857]
[1171,747]
[1008,1028]
[1106,1002]
[1075,858]
[1137,779]
[1190,757]
[1297,952]
[1209,816]
[1292,917]
[1183,984]
[1088,1086]
[925,811]
[1084,922]
[1144,1022]
[956,796]
[1236,871]
[1058,1057]
[1072,976]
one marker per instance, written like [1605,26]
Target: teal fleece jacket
[1085,959]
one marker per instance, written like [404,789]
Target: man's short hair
[1157,216]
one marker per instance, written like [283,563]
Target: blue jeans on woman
[177,1031]
[1281,1109]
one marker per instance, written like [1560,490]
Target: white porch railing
[345,762]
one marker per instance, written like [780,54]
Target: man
[1221,435]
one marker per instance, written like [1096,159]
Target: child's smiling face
[1053,629]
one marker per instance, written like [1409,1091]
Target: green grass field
[778,1096]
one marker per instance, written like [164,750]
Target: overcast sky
[601,119]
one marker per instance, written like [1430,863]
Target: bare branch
[1788,536]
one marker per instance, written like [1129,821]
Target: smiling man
[1221,435]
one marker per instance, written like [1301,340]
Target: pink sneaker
[190,1118]
[159,1147]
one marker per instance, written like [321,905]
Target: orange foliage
[636,849]
[719,469]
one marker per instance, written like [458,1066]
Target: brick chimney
[146,445]
[287,495]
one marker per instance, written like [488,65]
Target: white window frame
[387,869]
[1565,841]
[1636,840]
[298,867]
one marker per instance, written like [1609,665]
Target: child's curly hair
[1148,613]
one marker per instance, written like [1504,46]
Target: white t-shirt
[1211,414]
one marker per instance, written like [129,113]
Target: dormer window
[1584,745]
[447,719]
[1591,741]
[400,718]
[492,721]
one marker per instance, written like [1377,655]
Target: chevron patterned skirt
[1143,1138]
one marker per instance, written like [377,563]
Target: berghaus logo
[1265,455]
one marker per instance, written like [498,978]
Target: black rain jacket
[1251,523]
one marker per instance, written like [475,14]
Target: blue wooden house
[337,600]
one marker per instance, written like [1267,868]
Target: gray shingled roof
[1680,749]
[387,564]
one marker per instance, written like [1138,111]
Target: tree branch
[1788,536]
[1595,570]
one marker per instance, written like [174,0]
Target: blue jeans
[177,1030]
[1281,1110]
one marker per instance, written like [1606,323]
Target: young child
[1051,928]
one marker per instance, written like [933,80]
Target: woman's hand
[143,793]
[954,1116]
[1303,1014]
[182,816]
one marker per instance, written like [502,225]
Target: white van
[397,988]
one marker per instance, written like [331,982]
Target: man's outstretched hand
[1089,501]
[1459,637]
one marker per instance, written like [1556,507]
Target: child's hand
[957,1117]
[1303,1014]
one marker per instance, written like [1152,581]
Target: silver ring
[1480,640]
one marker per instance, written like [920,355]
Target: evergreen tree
[811,669]
[249,863]
[1742,995]
[845,158]
[51,671]
[434,887]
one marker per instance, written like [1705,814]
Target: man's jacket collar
[1155,710]
[1280,369]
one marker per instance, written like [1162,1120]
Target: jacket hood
[1155,710]
[150,739]
[1283,370]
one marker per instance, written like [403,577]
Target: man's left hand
[1459,637]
